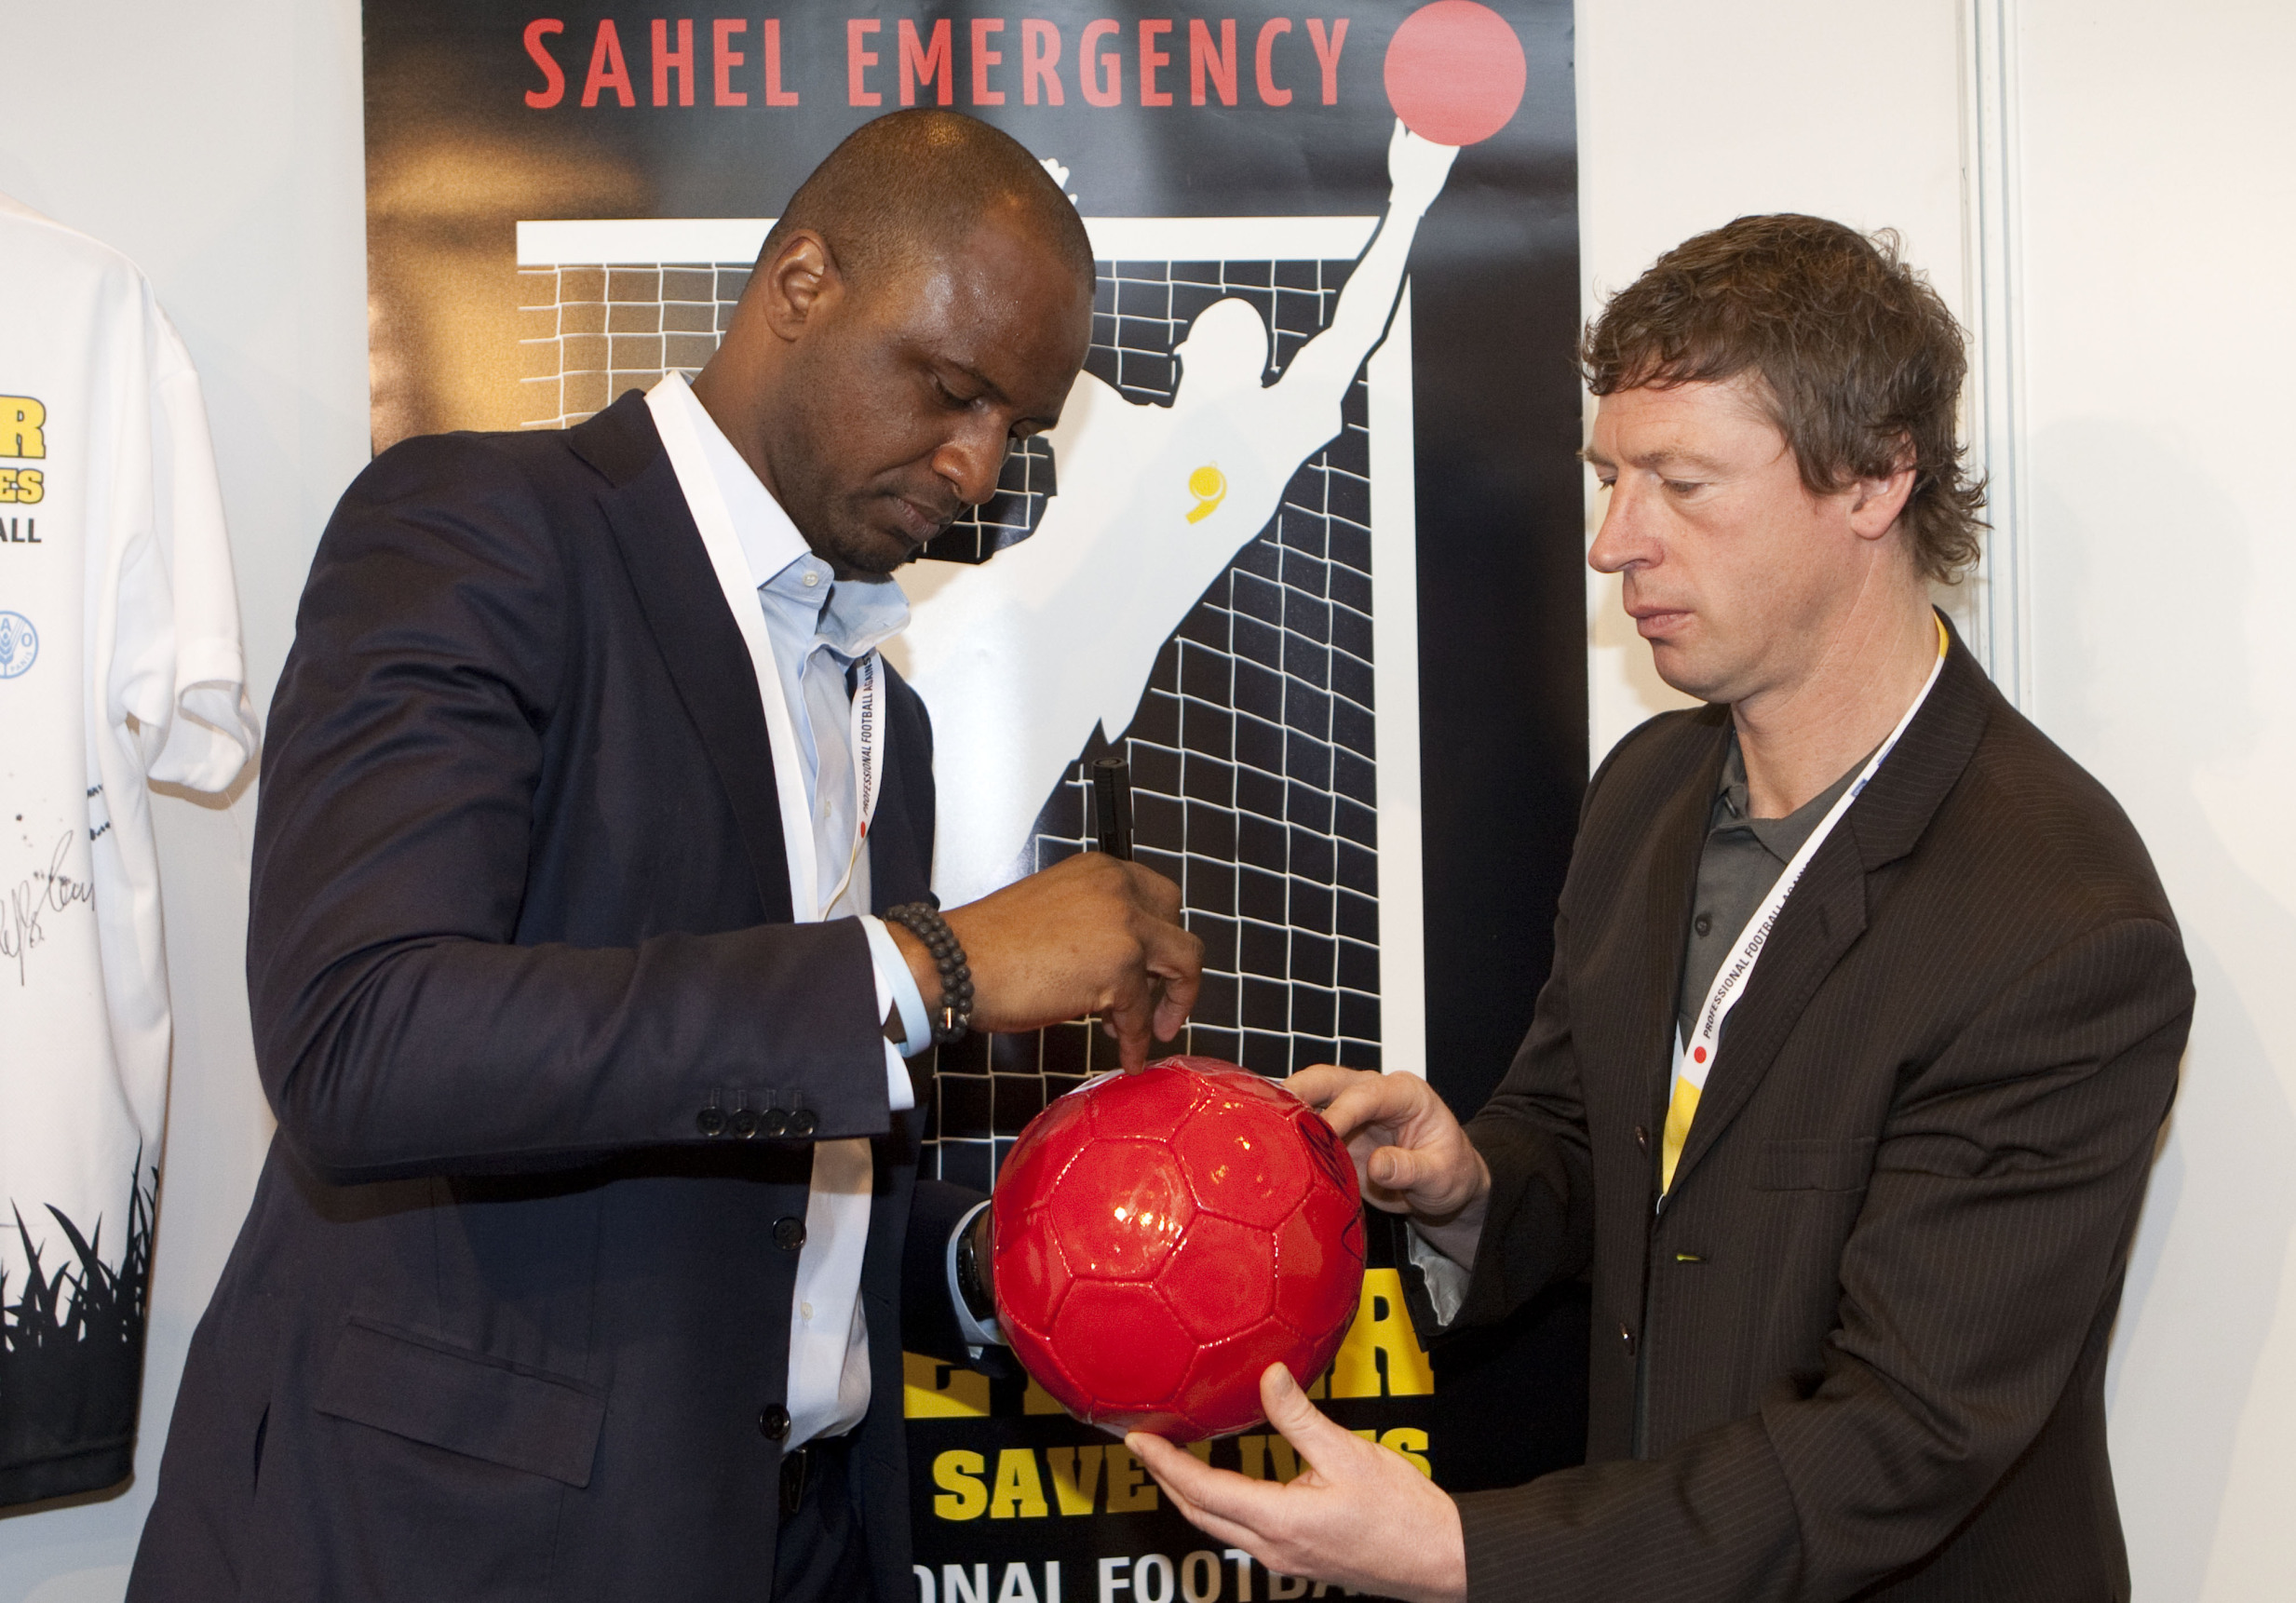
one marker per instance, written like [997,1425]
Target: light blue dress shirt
[817,626]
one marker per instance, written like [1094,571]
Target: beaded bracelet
[924,920]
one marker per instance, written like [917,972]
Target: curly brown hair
[1857,359]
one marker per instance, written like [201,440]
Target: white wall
[1692,112]
[2160,147]
[2156,149]
[218,144]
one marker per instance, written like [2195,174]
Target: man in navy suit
[576,1267]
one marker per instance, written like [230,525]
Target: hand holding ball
[1163,1237]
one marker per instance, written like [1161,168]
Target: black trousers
[819,1557]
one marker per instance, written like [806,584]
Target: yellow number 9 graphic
[1209,486]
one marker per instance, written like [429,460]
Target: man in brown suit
[1856,1244]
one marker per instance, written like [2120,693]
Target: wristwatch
[972,1284]
[971,1300]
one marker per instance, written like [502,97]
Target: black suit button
[1704,923]
[744,1124]
[773,1422]
[1641,1140]
[803,1123]
[709,1121]
[776,1121]
[1625,1340]
[789,1232]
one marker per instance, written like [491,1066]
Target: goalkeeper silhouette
[1022,657]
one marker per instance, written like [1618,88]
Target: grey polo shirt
[1742,860]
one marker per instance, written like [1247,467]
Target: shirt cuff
[896,988]
[977,1333]
[1446,1281]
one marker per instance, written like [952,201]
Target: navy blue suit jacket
[505,1320]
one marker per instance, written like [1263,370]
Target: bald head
[914,186]
[926,300]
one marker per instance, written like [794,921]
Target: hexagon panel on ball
[1163,1236]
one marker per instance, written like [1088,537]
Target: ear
[798,283]
[1875,503]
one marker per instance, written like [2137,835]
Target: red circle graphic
[1455,72]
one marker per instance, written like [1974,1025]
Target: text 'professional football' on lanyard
[865,768]
[1694,1058]
[715,525]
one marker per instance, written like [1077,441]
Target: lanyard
[867,770]
[1694,1058]
[727,559]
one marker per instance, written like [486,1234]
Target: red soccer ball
[1162,1238]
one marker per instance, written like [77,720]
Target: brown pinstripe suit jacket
[1874,1310]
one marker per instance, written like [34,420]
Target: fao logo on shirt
[19,643]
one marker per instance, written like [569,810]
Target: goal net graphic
[1275,756]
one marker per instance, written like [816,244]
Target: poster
[1317,516]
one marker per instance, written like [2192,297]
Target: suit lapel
[1824,915]
[1678,833]
[1828,911]
[677,590]
[901,842]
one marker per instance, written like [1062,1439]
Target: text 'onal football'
[1162,1238]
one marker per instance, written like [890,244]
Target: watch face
[977,1298]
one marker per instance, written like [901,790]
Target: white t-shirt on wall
[120,664]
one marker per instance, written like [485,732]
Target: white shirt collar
[864,612]
[769,539]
